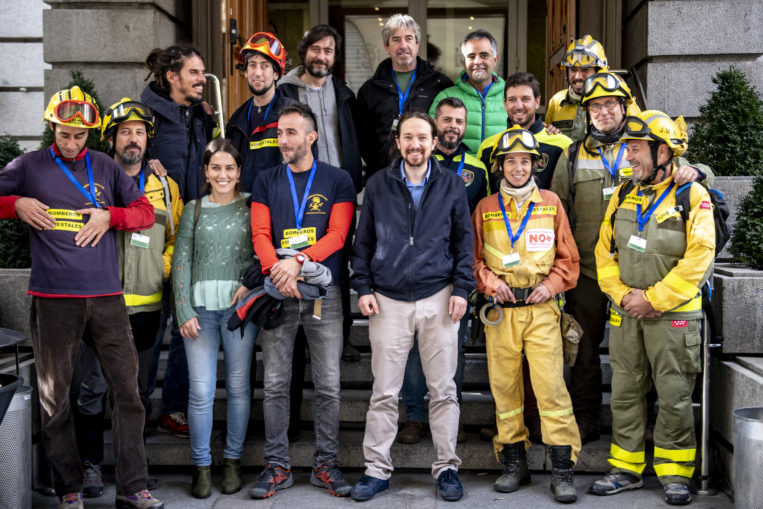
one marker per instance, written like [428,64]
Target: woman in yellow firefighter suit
[524,255]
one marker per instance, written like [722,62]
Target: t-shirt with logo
[331,185]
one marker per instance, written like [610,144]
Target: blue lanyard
[612,171]
[643,220]
[299,209]
[513,238]
[249,112]
[89,194]
[401,98]
[461,164]
[142,180]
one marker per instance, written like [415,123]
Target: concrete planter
[737,304]
[14,301]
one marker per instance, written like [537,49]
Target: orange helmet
[267,45]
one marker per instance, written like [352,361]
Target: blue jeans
[202,369]
[415,384]
[325,339]
[175,384]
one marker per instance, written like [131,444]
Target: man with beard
[452,154]
[402,82]
[128,126]
[598,165]
[411,265]
[304,206]
[252,127]
[522,101]
[479,88]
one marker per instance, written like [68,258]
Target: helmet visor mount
[67,110]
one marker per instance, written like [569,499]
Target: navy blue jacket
[407,254]
[181,134]
[347,111]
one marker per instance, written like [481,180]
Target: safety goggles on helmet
[126,110]
[607,82]
[67,111]
[579,58]
[636,129]
[263,42]
[516,139]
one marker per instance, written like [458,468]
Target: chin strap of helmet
[654,147]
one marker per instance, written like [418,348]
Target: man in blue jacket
[412,271]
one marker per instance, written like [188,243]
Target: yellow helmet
[124,110]
[585,52]
[73,107]
[605,84]
[654,125]
[515,139]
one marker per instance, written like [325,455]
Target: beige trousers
[391,334]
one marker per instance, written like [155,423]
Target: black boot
[515,473]
[562,482]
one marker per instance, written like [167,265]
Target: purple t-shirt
[59,267]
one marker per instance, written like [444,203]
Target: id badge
[637,243]
[139,240]
[510,260]
[394,124]
[299,241]
[608,192]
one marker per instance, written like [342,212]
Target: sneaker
[71,501]
[329,476]
[140,500]
[92,482]
[175,424]
[367,487]
[615,483]
[450,485]
[677,493]
[412,433]
[272,479]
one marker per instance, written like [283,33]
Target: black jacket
[257,143]
[378,108]
[407,254]
[181,134]
[347,111]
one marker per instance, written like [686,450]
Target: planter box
[737,304]
[734,189]
[14,301]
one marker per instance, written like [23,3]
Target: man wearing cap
[252,127]
[74,200]
[305,205]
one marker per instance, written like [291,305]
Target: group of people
[466,189]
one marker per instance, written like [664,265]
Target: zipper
[482,134]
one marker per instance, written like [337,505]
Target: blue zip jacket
[408,254]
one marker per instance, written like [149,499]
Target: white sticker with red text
[539,239]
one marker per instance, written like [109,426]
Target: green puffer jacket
[483,118]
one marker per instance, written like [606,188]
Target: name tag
[626,172]
[299,241]
[636,200]
[139,240]
[614,318]
[608,192]
[672,212]
[510,260]
[637,243]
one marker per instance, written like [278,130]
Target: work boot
[201,483]
[231,476]
[562,482]
[515,473]
[92,482]
[677,493]
[412,433]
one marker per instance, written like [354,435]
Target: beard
[263,91]
[296,155]
[130,158]
[449,145]
[318,73]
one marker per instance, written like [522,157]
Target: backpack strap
[168,202]
[572,155]
[683,200]
[621,194]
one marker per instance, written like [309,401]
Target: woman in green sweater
[212,250]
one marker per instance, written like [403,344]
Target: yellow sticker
[293,232]
[632,198]
[614,318]
[491,215]
[267,142]
[671,212]
[549,209]
[68,226]
[626,172]
[64,214]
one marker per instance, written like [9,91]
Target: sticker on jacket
[297,239]
[614,318]
[680,323]
[539,239]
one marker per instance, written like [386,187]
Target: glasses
[608,105]
[580,58]
[510,139]
[123,111]
[66,111]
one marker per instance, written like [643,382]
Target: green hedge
[747,239]
[14,236]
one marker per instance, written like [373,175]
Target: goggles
[636,129]
[515,137]
[67,110]
[123,111]
[579,58]
[606,82]
[265,43]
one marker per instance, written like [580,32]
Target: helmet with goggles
[73,107]
[514,139]
[265,44]
[123,111]
[585,52]
[657,127]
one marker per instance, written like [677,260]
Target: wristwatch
[300,258]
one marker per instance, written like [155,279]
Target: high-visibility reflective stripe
[622,454]
[142,300]
[675,454]
[555,413]
[681,285]
[510,413]
[632,467]
[662,469]
[693,305]
[608,272]
[493,251]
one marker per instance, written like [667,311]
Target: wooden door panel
[560,31]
